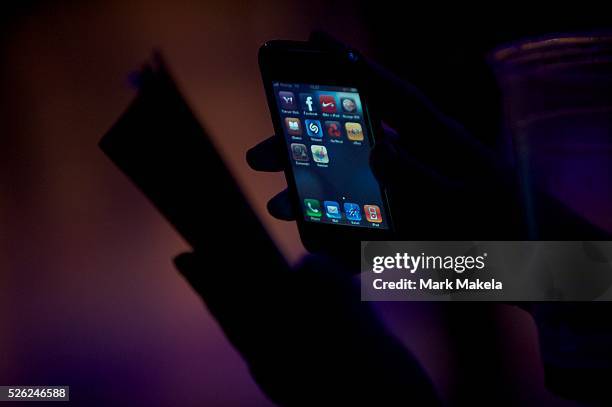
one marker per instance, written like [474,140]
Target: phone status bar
[313,87]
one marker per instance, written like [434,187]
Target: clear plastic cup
[557,97]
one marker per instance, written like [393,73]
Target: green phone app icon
[313,208]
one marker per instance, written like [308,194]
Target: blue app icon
[332,209]
[352,211]
[314,129]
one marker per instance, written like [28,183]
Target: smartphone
[320,111]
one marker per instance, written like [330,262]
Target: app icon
[352,211]
[332,209]
[332,129]
[308,103]
[354,131]
[319,154]
[313,208]
[313,127]
[372,213]
[293,126]
[287,100]
[348,105]
[299,151]
[328,103]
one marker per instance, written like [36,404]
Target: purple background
[89,297]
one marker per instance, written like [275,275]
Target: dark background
[89,297]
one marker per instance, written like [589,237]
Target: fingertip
[251,158]
[266,156]
[280,206]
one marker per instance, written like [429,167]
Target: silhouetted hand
[304,333]
[306,336]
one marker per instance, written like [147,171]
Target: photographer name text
[412,264]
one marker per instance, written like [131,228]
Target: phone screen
[328,138]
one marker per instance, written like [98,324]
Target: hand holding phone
[439,180]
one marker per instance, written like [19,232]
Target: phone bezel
[300,62]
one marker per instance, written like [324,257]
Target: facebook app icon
[308,102]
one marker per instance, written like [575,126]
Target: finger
[267,156]
[280,206]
